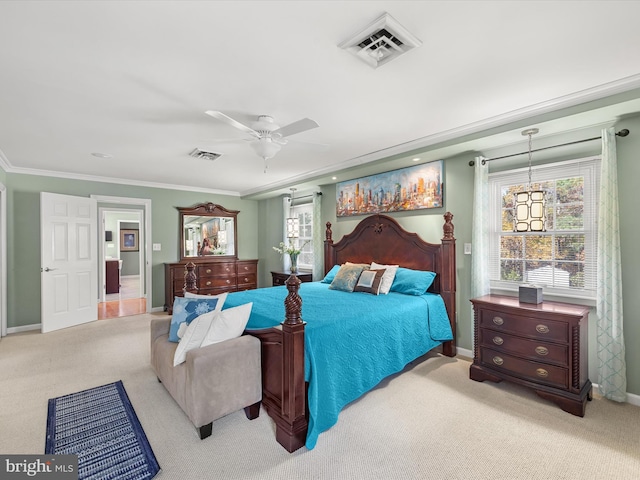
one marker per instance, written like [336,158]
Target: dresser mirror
[208,231]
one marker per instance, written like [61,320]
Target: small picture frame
[129,241]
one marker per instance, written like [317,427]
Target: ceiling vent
[381,42]
[197,153]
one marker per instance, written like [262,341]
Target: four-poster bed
[286,376]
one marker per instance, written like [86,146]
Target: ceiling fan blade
[296,127]
[232,122]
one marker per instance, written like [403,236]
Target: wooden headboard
[380,239]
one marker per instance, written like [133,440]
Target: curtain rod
[307,196]
[622,133]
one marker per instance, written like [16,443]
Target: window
[304,213]
[563,258]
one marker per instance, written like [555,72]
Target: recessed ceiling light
[416,159]
[101,155]
[334,178]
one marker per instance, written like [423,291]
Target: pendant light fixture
[530,205]
[293,222]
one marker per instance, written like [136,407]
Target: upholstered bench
[214,381]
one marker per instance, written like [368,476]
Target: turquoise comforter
[352,340]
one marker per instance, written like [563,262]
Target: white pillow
[221,298]
[193,336]
[228,324]
[387,278]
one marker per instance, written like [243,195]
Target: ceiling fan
[267,136]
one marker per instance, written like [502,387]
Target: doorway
[124,226]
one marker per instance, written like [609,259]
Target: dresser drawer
[216,290]
[535,350]
[536,372]
[216,269]
[537,328]
[217,282]
[247,279]
[246,268]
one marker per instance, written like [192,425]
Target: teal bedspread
[352,340]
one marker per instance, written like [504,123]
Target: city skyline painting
[410,188]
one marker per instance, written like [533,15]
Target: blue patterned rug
[101,427]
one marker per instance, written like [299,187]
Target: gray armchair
[214,381]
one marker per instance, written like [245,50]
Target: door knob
[47,269]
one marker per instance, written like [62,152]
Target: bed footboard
[283,384]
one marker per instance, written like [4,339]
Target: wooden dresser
[541,346]
[212,278]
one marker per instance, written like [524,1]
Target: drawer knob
[541,372]
[208,270]
[498,340]
[498,320]
[208,283]
[228,281]
[227,269]
[498,360]
[542,329]
[246,268]
[540,350]
[246,280]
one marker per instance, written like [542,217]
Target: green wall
[23,233]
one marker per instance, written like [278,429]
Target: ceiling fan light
[265,148]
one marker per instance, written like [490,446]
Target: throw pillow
[185,310]
[346,278]
[331,274]
[221,298]
[228,324]
[412,282]
[369,281]
[387,278]
[193,336]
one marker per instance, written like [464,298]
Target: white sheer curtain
[612,376]
[480,231]
[318,238]
[286,213]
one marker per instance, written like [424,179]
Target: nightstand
[279,278]
[541,346]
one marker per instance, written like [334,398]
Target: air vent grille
[197,153]
[381,42]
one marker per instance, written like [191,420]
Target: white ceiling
[133,80]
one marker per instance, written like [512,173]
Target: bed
[317,349]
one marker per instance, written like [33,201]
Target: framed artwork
[129,241]
[410,188]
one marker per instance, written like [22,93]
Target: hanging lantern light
[293,222]
[530,205]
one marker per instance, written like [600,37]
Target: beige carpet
[430,422]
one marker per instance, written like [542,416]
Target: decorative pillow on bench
[185,310]
[212,327]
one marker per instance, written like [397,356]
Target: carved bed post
[190,279]
[448,279]
[291,422]
[328,251]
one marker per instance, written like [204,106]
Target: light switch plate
[467,249]
[156,247]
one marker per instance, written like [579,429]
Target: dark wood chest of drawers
[211,278]
[279,278]
[541,346]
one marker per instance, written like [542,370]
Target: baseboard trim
[24,328]
[464,352]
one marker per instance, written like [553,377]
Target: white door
[69,270]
